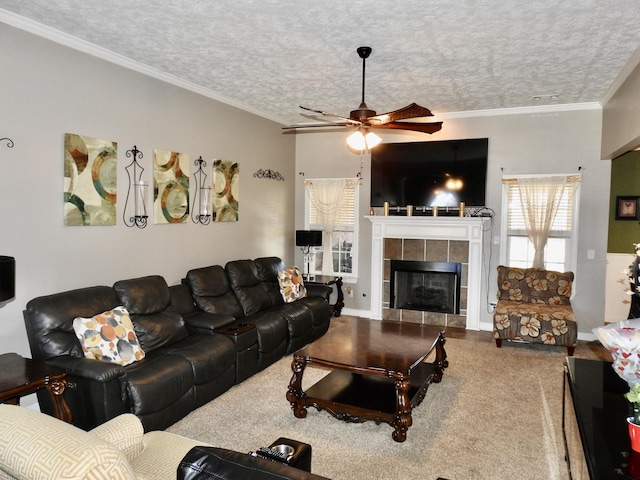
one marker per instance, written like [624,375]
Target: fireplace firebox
[425,286]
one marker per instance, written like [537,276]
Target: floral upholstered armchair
[534,306]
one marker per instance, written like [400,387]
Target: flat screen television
[417,173]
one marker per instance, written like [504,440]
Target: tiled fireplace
[423,286]
[429,243]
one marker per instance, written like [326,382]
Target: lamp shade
[7,278]
[308,238]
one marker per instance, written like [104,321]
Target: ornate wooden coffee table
[378,372]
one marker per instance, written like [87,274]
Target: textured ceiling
[448,55]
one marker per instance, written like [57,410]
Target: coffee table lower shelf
[356,398]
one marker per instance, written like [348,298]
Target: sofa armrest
[54,449]
[211,463]
[162,454]
[124,432]
[318,290]
[89,369]
[205,323]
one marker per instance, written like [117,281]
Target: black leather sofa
[220,326]
[249,291]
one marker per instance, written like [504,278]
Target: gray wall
[49,90]
[535,141]
[621,118]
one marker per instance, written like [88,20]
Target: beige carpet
[496,414]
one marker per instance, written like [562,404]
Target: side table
[330,281]
[21,376]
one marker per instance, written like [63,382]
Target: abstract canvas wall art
[171,187]
[90,180]
[226,190]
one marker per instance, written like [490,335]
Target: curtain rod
[349,181]
[570,178]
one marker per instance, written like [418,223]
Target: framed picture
[90,175]
[627,208]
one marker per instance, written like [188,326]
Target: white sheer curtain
[326,196]
[540,197]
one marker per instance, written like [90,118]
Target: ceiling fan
[364,119]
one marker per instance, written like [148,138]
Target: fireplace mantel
[469,229]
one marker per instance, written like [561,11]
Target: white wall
[537,141]
[49,90]
[618,301]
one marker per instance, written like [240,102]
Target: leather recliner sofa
[193,351]
[249,291]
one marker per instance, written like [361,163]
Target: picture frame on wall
[626,208]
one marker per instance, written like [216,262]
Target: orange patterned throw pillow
[109,337]
[291,285]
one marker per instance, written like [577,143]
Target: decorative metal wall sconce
[201,211]
[269,174]
[139,190]
[8,140]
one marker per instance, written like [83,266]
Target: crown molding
[537,109]
[87,47]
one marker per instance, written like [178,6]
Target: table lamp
[7,278]
[307,239]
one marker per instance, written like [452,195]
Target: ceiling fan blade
[316,125]
[416,127]
[333,115]
[410,111]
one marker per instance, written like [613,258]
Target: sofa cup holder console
[285,450]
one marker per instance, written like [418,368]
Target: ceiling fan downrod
[363,112]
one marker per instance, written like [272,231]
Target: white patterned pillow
[109,337]
[291,285]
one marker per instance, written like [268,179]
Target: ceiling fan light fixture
[359,141]
[372,139]
[453,184]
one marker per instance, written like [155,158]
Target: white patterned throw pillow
[109,337]
[291,285]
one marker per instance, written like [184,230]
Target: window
[560,250]
[344,237]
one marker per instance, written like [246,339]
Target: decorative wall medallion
[90,180]
[171,187]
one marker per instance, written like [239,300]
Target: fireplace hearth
[426,286]
[435,239]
